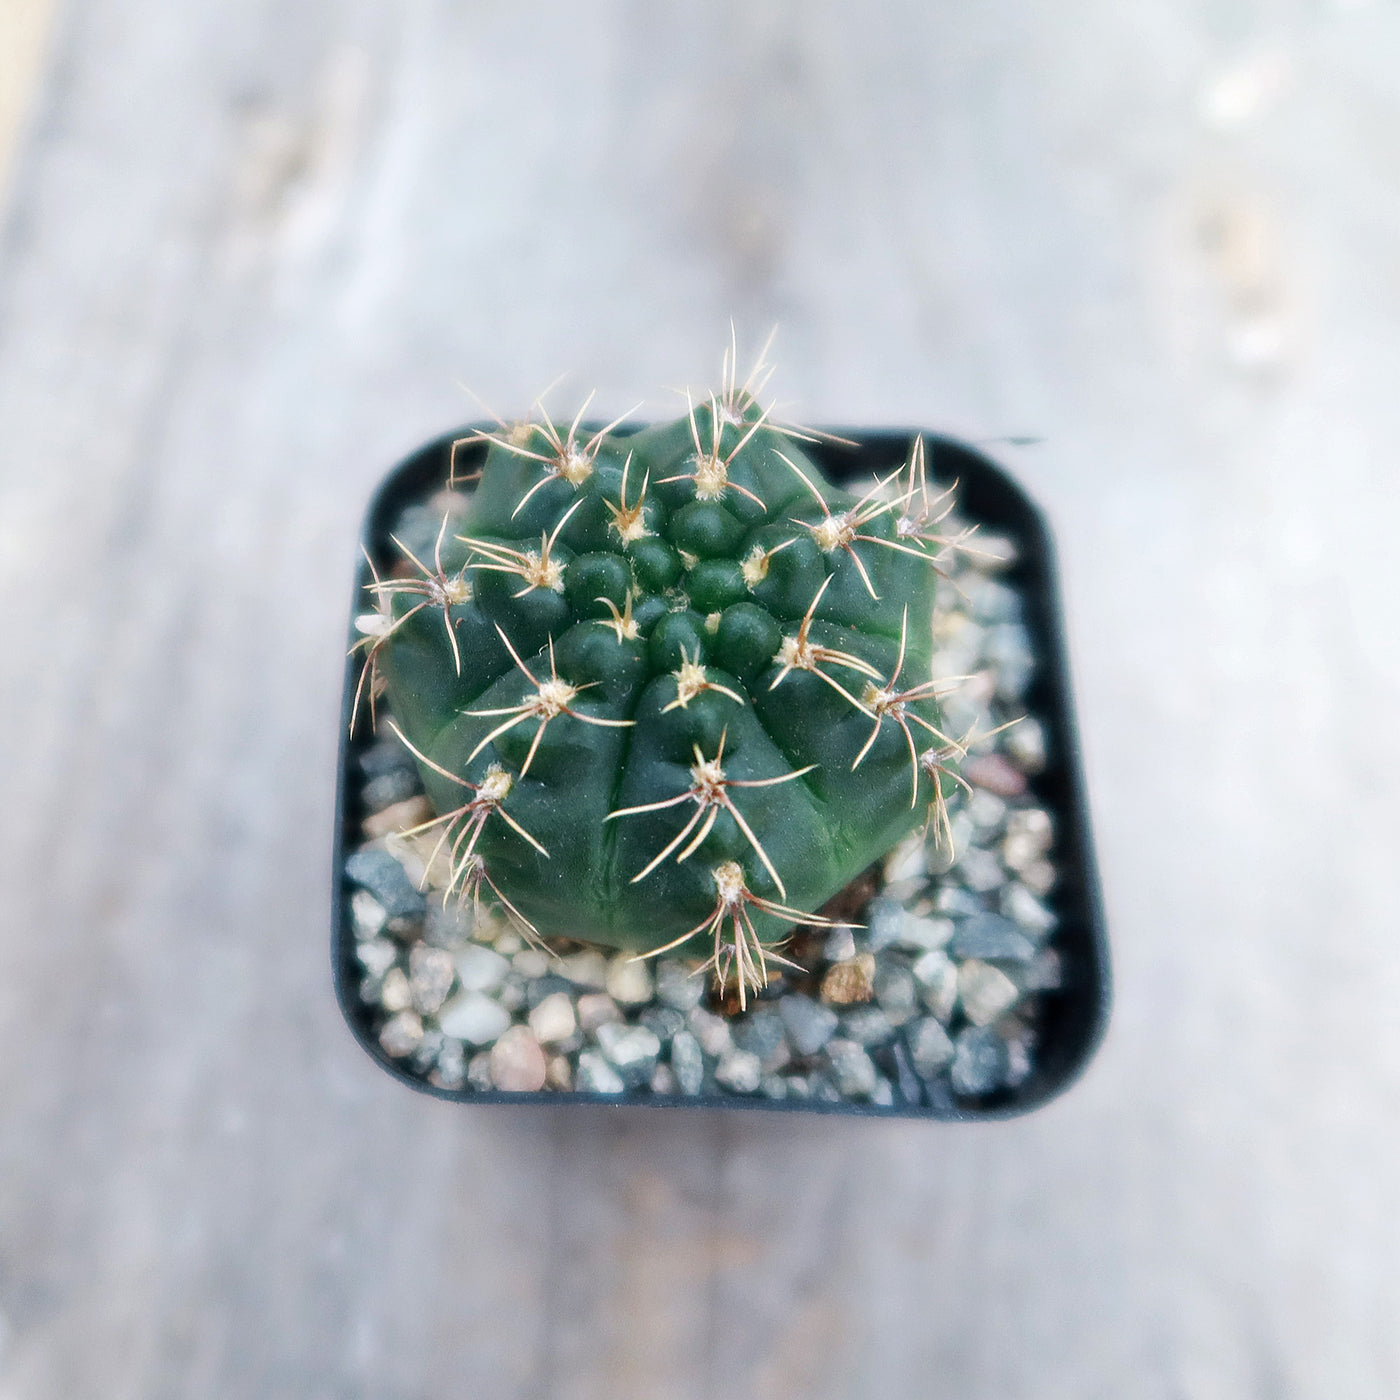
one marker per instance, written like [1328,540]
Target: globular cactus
[669,689]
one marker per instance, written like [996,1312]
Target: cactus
[669,689]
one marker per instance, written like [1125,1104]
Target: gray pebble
[448,924]
[883,1092]
[632,1050]
[895,992]
[479,1072]
[1020,905]
[798,1087]
[1008,648]
[853,1069]
[840,944]
[1029,834]
[385,879]
[979,1061]
[662,1021]
[821,1088]
[425,1056]
[597,1076]
[385,756]
[761,1033]
[867,1026]
[451,1070]
[397,785]
[921,932]
[529,963]
[906,1081]
[885,923]
[1044,974]
[663,1081]
[980,870]
[953,899]
[991,937]
[739,1071]
[986,811]
[930,1047]
[678,984]
[809,1024]
[549,985]
[1039,877]
[511,995]
[773,1086]
[688,1063]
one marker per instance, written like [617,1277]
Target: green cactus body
[674,654]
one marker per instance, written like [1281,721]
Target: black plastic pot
[1071,1020]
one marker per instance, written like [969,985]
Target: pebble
[632,1050]
[1008,648]
[400,817]
[587,968]
[427,1052]
[853,1069]
[597,1076]
[1045,974]
[980,870]
[711,1031]
[397,785]
[384,756]
[850,981]
[739,1071]
[430,974]
[991,937]
[529,963]
[663,1080]
[1029,834]
[1039,877]
[907,861]
[479,1072]
[480,968]
[937,976]
[868,1026]
[1026,744]
[560,1074]
[921,932]
[547,986]
[517,1062]
[885,920]
[553,1018]
[663,1021]
[986,811]
[596,1009]
[840,944]
[883,1093]
[448,924]
[394,992]
[991,600]
[687,1063]
[367,914]
[380,874]
[376,956]
[773,1086]
[761,1033]
[473,1017]
[930,1047]
[906,1081]
[1018,903]
[451,1069]
[629,980]
[678,984]
[511,994]
[953,899]
[979,1061]
[896,993]
[984,991]
[996,773]
[400,1034]
[809,1024]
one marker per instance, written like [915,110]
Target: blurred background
[248,253]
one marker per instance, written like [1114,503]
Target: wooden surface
[251,249]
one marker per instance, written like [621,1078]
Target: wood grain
[251,250]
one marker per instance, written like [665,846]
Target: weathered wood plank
[249,253]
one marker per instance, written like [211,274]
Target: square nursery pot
[1018,915]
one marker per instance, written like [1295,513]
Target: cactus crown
[668,688]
